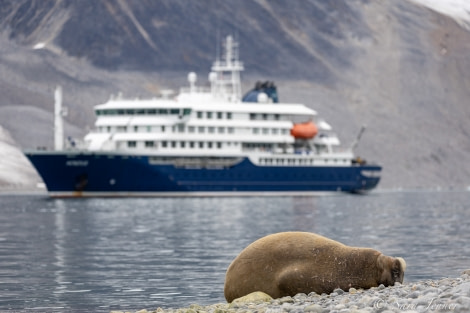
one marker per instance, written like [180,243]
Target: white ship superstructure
[213,121]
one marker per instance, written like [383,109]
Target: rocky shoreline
[444,295]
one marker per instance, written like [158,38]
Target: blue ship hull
[78,174]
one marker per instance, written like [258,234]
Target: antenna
[217,43]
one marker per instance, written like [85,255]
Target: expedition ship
[204,141]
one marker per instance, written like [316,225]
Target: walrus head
[391,270]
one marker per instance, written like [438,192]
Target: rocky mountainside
[170,35]
[398,67]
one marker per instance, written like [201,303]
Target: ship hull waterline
[97,174]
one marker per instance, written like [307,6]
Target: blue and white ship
[206,142]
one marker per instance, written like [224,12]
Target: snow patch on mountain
[15,170]
[459,10]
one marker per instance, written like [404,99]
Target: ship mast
[58,121]
[227,73]
[59,113]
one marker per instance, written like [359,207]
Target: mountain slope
[176,35]
[398,67]
[14,170]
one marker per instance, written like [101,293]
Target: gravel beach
[445,295]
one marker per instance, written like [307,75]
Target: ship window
[252,116]
[136,128]
[199,114]
[229,115]
[191,144]
[180,128]
[277,117]
[209,115]
[163,111]
[109,129]
[163,129]
[265,116]
[164,144]
[219,145]
[255,131]
[191,129]
[200,129]
[274,131]
[182,144]
[284,131]
[175,111]
[149,129]
[231,130]
[186,111]
[209,145]
[149,144]
[219,115]
[140,111]
[265,131]
[211,130]
[221,130]
[201,144]
[173,144]
[131,144]
[151,111]
[130,112]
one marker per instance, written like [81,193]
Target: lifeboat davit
[306,130]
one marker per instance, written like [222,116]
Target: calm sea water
[98,255]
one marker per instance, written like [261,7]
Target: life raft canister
[306,130]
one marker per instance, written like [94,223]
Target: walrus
[285,264]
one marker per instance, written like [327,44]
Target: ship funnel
[59,112]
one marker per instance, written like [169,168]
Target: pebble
[339,291]
[448,295]
[286,300]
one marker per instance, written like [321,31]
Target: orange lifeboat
[306,130]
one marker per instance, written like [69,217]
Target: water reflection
[126,254]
